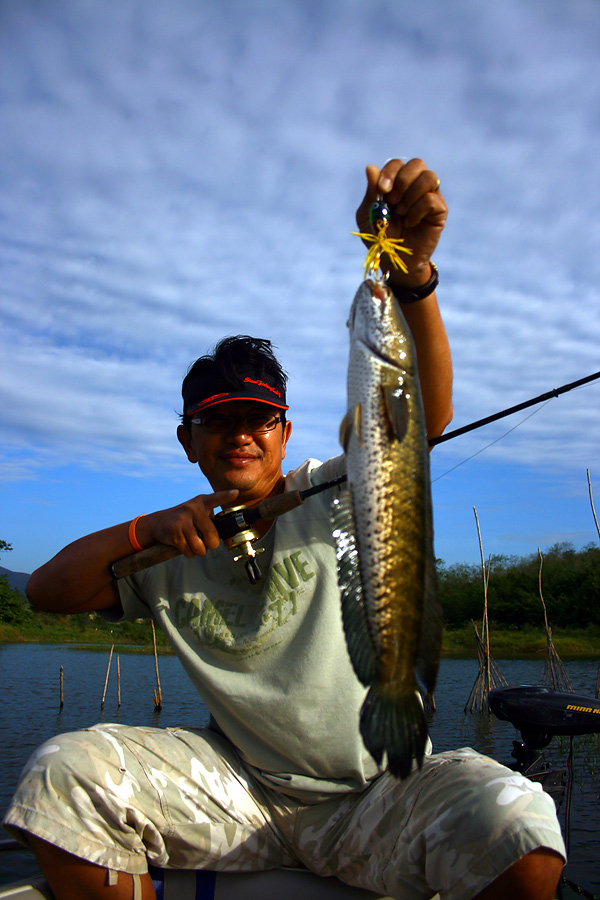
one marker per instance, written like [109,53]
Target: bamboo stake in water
[107,672]
[489,675]
[62,698]
[157,691]
[598,530]
[554,671]
[485,628]
[118,682]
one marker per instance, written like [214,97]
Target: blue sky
[175,171]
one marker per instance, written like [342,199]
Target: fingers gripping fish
[383,532]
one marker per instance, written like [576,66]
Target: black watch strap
[412,295]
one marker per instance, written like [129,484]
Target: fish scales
[383,531]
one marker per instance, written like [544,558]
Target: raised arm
[78,578]
[418,215]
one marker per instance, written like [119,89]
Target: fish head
[376,321]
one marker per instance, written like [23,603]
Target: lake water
[29,713]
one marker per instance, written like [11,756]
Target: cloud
[175,172]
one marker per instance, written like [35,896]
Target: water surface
[30,713]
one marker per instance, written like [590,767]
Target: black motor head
[540,713]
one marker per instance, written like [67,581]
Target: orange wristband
[132,538]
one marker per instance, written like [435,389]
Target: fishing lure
[379,217]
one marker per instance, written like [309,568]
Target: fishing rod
[235,526]
[513,409]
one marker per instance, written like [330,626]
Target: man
[281,778]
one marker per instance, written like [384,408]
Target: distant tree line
[14,608]
[570,587]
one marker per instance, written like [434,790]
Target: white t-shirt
[270,660]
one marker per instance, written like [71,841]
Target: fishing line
[542,398]
[569,795]
[491,444]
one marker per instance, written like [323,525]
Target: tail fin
[395,726]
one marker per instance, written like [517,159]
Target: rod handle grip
[143,559]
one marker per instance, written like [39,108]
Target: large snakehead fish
[383,533]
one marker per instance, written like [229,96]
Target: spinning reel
[239,538]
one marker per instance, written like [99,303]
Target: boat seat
[33,889]
[179,884]
[287,884]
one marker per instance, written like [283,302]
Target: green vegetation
[91,630]
[19,623]
[14,609]
[524,643]
[83,628]
[570,585]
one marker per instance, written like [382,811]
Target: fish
[383,532]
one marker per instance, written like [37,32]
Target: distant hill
[16,580]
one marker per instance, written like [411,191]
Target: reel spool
[241,542]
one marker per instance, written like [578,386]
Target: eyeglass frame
[236,420]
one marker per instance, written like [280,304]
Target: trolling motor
[235,528]
[540,714]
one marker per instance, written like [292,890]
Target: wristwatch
[413,294]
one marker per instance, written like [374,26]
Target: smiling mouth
[239,460]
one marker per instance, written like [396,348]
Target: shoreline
[460,643]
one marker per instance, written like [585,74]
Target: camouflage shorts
[122,797]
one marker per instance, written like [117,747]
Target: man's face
[251,463]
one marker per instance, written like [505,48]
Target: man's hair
[229,362]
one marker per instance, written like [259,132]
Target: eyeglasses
[257,423]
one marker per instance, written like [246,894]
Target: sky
[172,172]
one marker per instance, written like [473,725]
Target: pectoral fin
[349,424]
[345,432]
[396,410]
